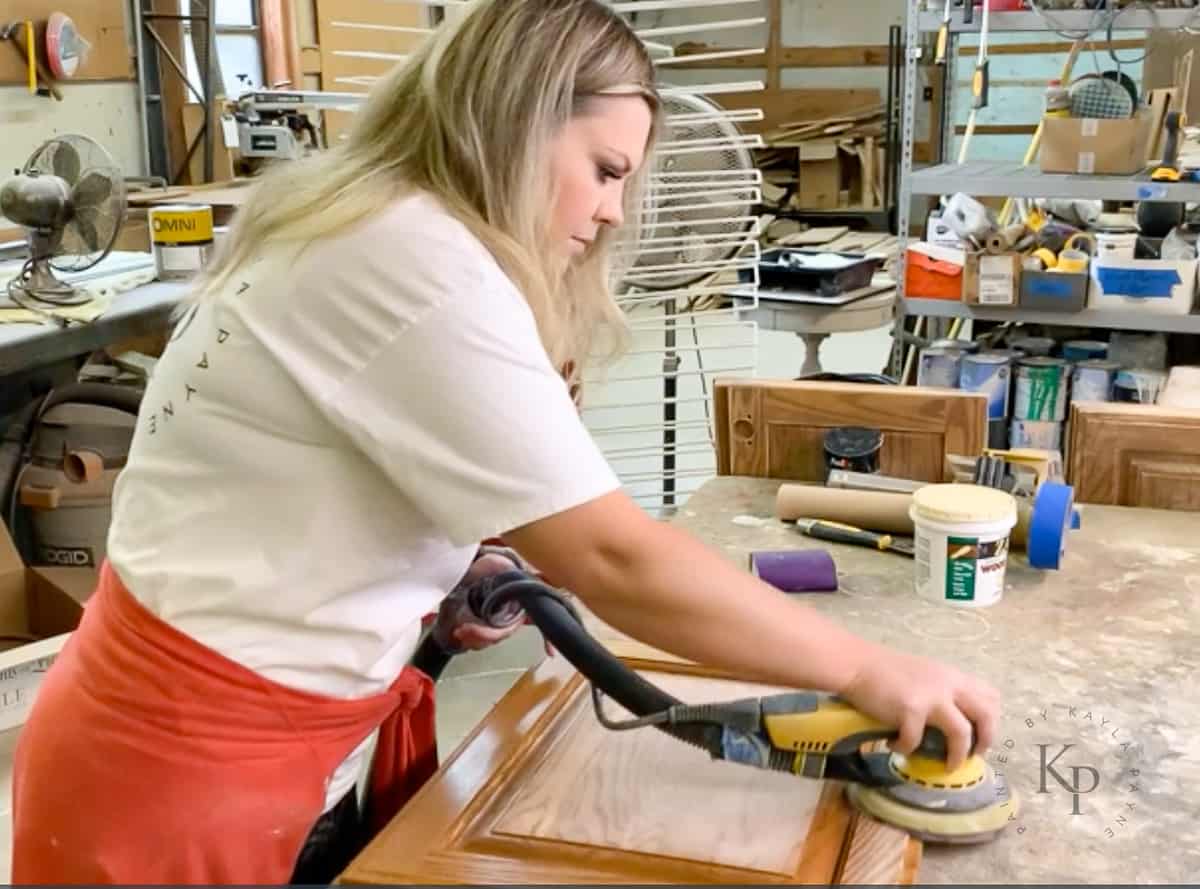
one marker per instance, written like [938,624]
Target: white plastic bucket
[962,540]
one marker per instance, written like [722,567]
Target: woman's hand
[475,636]
[911,692]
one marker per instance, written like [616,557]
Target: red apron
[150,758]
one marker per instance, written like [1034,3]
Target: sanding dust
[943,624]
[1167,556]
[749,521]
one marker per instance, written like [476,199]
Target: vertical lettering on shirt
[222,335]
[203,362]
[190,390]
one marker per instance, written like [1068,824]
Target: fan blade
[66,162]
[92,190]
[85,224]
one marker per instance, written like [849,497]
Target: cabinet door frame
[442,835]
[742,419]
[1129,439]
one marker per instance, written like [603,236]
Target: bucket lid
[964,503]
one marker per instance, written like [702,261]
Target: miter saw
[274,124]
[810,735]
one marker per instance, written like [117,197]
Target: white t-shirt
[321,449]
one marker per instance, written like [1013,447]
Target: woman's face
[591,157]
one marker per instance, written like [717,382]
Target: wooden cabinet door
[776,428]
[540,792]
[1135,455]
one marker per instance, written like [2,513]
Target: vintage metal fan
[70,197]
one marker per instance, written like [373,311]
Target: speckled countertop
[1102,655]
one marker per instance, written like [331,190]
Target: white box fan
[651,412]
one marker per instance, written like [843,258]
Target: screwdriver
[835,532]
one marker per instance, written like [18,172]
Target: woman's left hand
[474,636]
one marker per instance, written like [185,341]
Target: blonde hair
[469,117]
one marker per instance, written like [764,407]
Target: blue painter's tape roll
[1053,515]
[1140,283]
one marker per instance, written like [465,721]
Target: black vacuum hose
[562,627]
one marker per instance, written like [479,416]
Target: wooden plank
[541,793]
[774,41]
[280,44]
[782,106]
[776,428]
[1043,48]
[334,39]
[861,56]
[102,24]
[999,129]
[175,93]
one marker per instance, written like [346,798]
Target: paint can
[1093,380]
[853,448]
[1138,386]
[1041,389]
[998,433]
[1042,435]
[989,374]
[961,543]
[1034,346]
[957,345]
[938,368]
[181,237]
[1084,350]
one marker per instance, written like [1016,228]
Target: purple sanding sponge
[796,570]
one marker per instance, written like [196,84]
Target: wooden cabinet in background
[542,793]
[1135,455]
[776,428]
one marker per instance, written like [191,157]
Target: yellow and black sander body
[807,734]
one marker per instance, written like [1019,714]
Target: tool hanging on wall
[943,38]
[22,35]
[979,81]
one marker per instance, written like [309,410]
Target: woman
[367,386]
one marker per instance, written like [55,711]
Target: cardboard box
[1144,286]
[933,272]
[992,279]
[1118,147]
[39,608]
[819,186]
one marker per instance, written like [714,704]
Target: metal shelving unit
[940,308]
[1013,179]
[1007,179]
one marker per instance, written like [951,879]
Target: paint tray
[827,272]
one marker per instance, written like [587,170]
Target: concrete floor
[474,681]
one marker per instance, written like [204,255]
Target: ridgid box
[39,607]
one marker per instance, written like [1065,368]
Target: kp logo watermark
[1075,785]
[1071,763]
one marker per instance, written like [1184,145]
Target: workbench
[143,310]
[1102,653]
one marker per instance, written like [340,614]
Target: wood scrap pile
[828,164]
